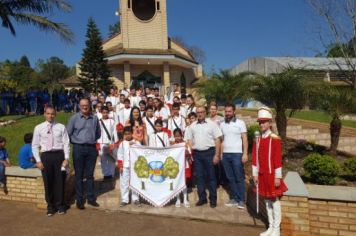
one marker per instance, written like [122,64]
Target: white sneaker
[231,203]
[241,205]
[187,204]
[178,204]
[267,232]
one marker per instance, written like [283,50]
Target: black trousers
[53,179]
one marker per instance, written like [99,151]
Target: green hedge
[321,169]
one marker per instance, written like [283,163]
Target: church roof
[113,46]
[268,65]
[72,80]
[116,50]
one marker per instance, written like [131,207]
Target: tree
[338,37]
[94,68]
[335,101]
[25,62]
[285,92]
[223,86]
[197,53]
[33,12]
[22,75]
[52,71]
[114,29]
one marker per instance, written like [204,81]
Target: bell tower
[144,24]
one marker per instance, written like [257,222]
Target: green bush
[251,134]
[350,167]
[322,169]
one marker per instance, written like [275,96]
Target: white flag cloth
[157,174]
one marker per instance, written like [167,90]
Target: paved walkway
[26,220]
[109,200]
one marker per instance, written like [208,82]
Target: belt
[209,149]
[85,144]
[54,151]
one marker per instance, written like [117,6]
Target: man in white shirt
[235,148]
[204,137]
[125,91]
[112,98]
[50,148]
[108,136]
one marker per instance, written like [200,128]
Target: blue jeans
[2,173]
[84,159]
[205,171]
[235,173]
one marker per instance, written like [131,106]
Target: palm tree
[223,86]
[32,12]
[285,92]
[335,101]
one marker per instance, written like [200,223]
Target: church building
[142,54]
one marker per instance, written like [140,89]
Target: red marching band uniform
[266,168]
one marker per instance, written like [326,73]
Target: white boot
[277,218]
[270,218]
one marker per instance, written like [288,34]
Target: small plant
[251,134]
[322,169]
[350,167]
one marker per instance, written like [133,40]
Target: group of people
[34,101]
[107,130]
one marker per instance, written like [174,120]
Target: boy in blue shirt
[26,159]
[4,161]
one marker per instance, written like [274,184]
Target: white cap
[264,113]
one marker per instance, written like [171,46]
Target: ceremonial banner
[157,174]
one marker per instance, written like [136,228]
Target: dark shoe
[62,211]
[93,203]
[200,203]
[50,213]
[108,178]
[80,206]
[213,204]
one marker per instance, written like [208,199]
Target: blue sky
[229,32]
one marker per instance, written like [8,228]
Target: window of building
[129,4]
[158,6]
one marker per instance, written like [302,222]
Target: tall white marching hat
[264,113]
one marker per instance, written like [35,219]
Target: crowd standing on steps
[105,126]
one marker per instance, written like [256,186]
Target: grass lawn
[14,133]
[317,116]
[320,117]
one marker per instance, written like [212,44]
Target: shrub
[322,169]
[251,134]
[350,167]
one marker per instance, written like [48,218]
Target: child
[108,137]
[149,120]
[159,138]
[177,121]
[267,170]
[4,161]
[124,113]
[123,157]
[26,159]
[178,138]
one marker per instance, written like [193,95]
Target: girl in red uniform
[267,170]
[178,138]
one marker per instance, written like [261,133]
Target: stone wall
[309,210]
[24,186]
